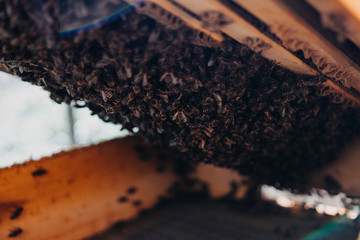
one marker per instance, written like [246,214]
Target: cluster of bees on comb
[204,102]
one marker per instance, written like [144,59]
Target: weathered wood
[75,194]
[245,33]
[342,16]
[188,19]
[297,35]
[341,92]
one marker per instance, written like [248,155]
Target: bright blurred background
[33,126]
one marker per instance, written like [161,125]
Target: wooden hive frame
[295,35]
[81,192]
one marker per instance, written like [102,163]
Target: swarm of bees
[221,104]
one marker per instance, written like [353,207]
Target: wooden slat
[188,19]
[342,92]
[345,11]
[246,34]
[76,194]
[297,35]
[352,6]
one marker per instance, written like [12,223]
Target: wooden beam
[345,11]
[297,35]
[245,33]
[76,194]
[187,18]
[341,91]
[79,193]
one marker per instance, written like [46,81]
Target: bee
[154,36]
[238,65]
[105,95]
[136,113]
[183,117]
[87,59]
[131,190]
[175,116]
[111,83]
[267,114]
[175,80]
[283,112]
[207,101]
[192,126]
[197,84]
[15,232]
[155,103]
[162,78]
[131,97]
[42,80]
[180,116]
[39,172]
[208,110]
[229,120]
[92,79]
[148,87]
[109,110]
[68,54]
[124,101]
[136,89]
[137,203]
[202,144]
[21,69]
[214,123]
[208,132]
[144,80]
[11,63]
[229,142]
[162,116]
[164,97]
[121,74]
[160,130]
[16,213]
[122,199]
[127,66]
[225,61]
[27,69]
[211,61]
[149,95]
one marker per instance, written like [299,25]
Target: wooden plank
[337,89]
[188,19]
[297,35]
[245,33]
[353,6]
[76,194]
[342,16]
